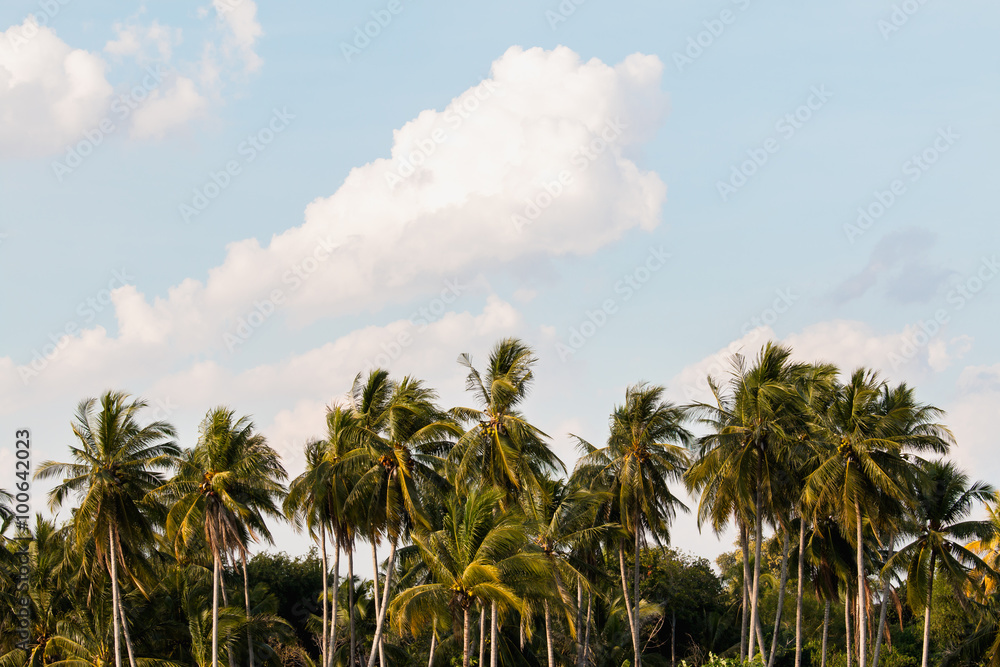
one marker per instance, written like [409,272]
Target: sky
[246,204]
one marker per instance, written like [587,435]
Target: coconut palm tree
[645,452]
[867,436]
[222,492]
[473,559]
[944,500]
[115,466]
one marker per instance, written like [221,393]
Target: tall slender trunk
[548,636]
[798,591]
[862,612]
[927,615]
[225,603]
[635,590]
[115,618]
[628,605]
[494,644]
[332,644]
[673,638]
[883,611]
[324,639]
[246,600]
[781,599]
[586,634]
[826,633]
[758,529]
[761,646]
[376,598]
[380,624]
[579,622]
[350,601]
[745,622]
[126,632]
[215,610]
[465,640]
[482,634]
[847,627]
[434,636]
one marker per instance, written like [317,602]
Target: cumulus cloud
[239,20]
[170,106]
[50,93]
[153,42]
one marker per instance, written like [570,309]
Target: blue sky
[715,154]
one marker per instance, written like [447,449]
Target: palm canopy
[944,500]
[116,464]
[501,448]
[646,450]
[225,487]
[402,434]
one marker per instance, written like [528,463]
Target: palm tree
[944,500]
[222,491]
[753,426]
[473,559]
[401,430]
[868,433]
[115,466]
[501,448]
[645,452]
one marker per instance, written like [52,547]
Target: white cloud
[239,18]
[155,41]
[50,93]
[972,418]
[167,109]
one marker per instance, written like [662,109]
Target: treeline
[857,542]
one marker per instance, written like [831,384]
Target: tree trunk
[324,651]
[332,644]
[246,599]
[745,622]
[579,622]
[586,634]
[781,600]
[376,599]
[628,605]
[350,601]
[927,616]
[494,644]
[548,636]
[862,612]
[115,619]
[635,589]
[673,638]
[225,603]
[465,640]
[434,636]
[798,592]
[126,632]
[380,624]
[482,634]
[758,537]
[215,610]
[847,627]
[761,646]
[826,633]
[883,611]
